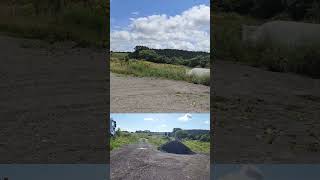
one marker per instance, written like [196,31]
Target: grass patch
[83,25]
[227,45]
[157,141]
[198,146]
[123,139]
[142,68]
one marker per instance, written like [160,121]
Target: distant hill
[197,131]
[170,53]
[172,56]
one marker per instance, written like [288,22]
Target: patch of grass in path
[148,69]
[157,141]
[142,68]
[198,146]
[123,139]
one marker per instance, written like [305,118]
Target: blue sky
[123,10]
[161,122]
[178,24]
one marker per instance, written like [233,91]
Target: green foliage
[123,138]
[198,146]
[229,46]
[148,69]
[171,56]
[57,20]
[175,130]
[118,132]
[205,138]
[297,10]
[157,141]
[181,134]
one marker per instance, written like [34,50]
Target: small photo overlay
[159,146]
[160,56]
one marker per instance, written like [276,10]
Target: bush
[205,138]
[181,134]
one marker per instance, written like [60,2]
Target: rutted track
[143,161]
[52,103]
[134,94]
[264,116]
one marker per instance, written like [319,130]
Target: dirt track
[52,103]
[265,116]
[133,94]
[143,161]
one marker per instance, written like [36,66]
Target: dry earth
[52,103]
[265,117]
[142,161]
[134,94]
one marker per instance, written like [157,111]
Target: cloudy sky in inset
[161,122]
[160,24]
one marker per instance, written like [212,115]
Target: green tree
[175,130]
[181,134]
[118,132]
[205,138]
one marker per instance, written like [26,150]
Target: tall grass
[198,146]
[84,25]
[229,46]
[123,139]
[157,141]
[148,69]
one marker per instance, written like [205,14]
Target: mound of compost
[175,147]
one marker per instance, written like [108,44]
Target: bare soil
[143,161]
[264,116]
[135,94]
[52,103]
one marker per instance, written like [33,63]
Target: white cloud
[188,30]
[247,172]
[207,122]
[150,119]
[135,13]
[185,118]
[163,125]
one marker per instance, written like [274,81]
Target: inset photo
[160,146]
[160,56]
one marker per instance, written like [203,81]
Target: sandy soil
[52,103]
[134,94]
[264,116]
[143,161]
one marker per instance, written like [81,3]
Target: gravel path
[143,161]
[52,103]
[134,94]
[265,117]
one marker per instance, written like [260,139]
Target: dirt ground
[52,103]
[143,161]
[265,117]
[134,94]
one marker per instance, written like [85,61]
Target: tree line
[189,134]
[291,9]
[171,56]
[54,7]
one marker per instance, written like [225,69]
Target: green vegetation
[171,56]
[197,140]
[123,138]
[157,141]
[120,65]
[198,146]
[82,21]
[227,44]
[308,10]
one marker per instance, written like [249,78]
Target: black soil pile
[175,147]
